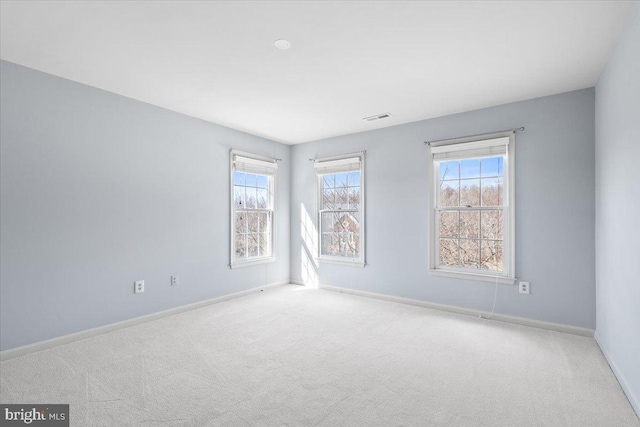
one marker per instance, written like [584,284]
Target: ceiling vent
[377,117]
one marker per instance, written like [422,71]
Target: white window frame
[507,276]
[259,161]
[360,261]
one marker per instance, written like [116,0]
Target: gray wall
[617,211]
[554,210]
[98,190]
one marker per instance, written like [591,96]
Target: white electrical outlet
[174,280]
[525,288]
[138,287]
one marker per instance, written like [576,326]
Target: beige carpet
[294,356]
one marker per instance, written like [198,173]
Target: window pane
[328,198]
[251,197]
[492,189]
[353,179]
[241,249]
[449,226]
[344,223]
[252,220]
[341,179]
[354,198]
[470,168]
[329,221]
[262,198]
[470,253]
[340,222]
[349,222]
[263,244]
[492,225]
[251,180]
[263,221]
[449,193]
[328,181]
[470,192]
[238,196]
[330,244]
[342,198]
[252,244]
[492,255]
[263,181]
[238,178]
[469,224]
[449,170]
[356,221]
[350,244]
[448,252]
[241,222]
[492,166]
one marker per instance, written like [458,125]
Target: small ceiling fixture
[377,117]
[282,44]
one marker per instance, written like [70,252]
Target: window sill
[471,276]
[341,262]
[252,262]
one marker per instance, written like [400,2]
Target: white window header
[251,165]
[336,166]
[470,150]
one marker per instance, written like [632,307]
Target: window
[341,208]
[252,209]
[472,219]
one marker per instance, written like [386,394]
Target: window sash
[322,234]
[504,176]
[268,230]
[479,239]
[504,209]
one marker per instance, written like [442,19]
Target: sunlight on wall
[308,251]
[309,274]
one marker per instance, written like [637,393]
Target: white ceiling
[349,60]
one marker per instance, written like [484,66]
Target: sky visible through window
[492,166]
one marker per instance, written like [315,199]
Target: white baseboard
[559,327]
[633,399]
[77,336]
